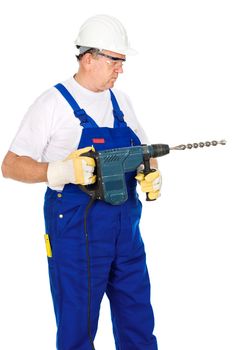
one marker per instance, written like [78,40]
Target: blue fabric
[79,113]
[117,260]
[117,113]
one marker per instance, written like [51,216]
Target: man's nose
[119,69]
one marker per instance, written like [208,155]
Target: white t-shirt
[50,131]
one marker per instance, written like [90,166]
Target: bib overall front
[117,263]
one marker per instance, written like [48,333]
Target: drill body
[113,164]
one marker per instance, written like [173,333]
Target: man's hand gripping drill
[76,169]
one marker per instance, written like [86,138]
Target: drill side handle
[153,151]
[147,169]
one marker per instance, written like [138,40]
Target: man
[102,252]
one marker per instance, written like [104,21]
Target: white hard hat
[106,33]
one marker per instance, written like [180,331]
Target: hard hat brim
[123,51]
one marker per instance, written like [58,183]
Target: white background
[181,87]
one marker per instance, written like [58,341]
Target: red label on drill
[98,140]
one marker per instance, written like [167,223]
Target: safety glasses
[111,60]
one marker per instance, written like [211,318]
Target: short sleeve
[34,132]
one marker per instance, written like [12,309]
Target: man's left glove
[150,183]
[75,169]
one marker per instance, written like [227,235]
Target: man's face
[105,70]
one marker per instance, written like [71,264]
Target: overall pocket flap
[48,246]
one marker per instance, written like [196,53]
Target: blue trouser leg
[129,293]
[129,288]
[68,278]
[68,265]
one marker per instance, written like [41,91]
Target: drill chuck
[159,150]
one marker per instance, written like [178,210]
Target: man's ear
[87,60]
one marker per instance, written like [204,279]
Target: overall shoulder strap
[85,120]
[117,113]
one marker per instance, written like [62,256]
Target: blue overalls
[115,250]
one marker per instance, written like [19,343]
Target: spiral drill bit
[198,145]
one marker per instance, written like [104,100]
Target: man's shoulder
[121,96]
[46,97]
[118,92]
[123,99]
[50,96]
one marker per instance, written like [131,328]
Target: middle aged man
[106,256]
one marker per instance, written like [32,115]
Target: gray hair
[85,49]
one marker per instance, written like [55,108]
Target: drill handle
[92,190]
[147,169]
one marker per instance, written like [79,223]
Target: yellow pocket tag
[48,246]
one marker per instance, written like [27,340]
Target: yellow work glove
[151,183]
[76,169]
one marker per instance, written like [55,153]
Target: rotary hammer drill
[112,164]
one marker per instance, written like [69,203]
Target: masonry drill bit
[198,145]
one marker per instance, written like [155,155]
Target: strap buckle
[81,115]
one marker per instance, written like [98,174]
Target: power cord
[91,202]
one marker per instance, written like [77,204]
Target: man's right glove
[150,183]
[76,169]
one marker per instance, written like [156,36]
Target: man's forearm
[154,163]
[24,169]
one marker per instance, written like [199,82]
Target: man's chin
[112,83]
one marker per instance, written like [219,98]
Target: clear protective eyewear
[115,62]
